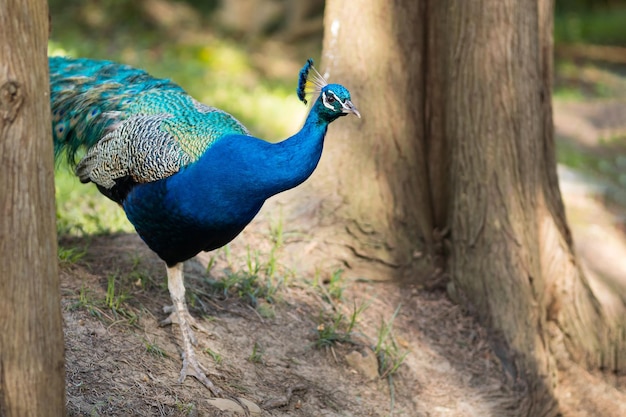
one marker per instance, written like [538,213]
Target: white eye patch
[326,103]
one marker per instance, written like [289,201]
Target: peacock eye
[331,99]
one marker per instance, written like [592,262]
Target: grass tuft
[154,349]
[113,302]
[70,256]
[389,354]
[217,358]
[87,301]
[338,328]
[257,354]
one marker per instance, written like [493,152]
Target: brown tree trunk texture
[512,257]
[359,210]
[455,157]
[32,376]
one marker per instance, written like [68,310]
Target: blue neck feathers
[294,159]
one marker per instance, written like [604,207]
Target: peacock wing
[148,148]
[137,148]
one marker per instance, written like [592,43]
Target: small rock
[402,342]
[364,362]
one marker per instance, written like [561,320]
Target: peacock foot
[173,318]
[191,367]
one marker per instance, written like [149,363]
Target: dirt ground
[120,362]
[118,365]
[123,363]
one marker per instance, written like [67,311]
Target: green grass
[187,408]
[70,256]
[141,277]
[608,164]
[111,308]
[336,285]
[154,349]
[569,155]
[389,354]
[257,354]
[217,358]
[86,300]
[337,328]
[114,299]
[266,310]
[333,331]
[243,285]
[576,81]
[272,266]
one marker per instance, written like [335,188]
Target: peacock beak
[348,107]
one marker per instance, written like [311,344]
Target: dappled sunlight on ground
[599,237]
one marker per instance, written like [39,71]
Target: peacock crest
[310,81]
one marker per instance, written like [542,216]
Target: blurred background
[244,55]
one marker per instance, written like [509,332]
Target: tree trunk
[504,190]
[358,212]
[512,258]
[32,377]
[454,157]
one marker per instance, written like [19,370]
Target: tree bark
[455,158]
[512,257]
[32,377]
[358,212]
[502,167]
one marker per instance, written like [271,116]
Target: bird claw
[173,318]
[191,367]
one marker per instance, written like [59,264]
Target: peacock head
[334,99]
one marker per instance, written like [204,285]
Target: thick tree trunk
[32,377]
[512,259]
[455,157]
[496,109]
[358,209]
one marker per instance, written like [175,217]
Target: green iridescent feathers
[309,81]
[89,98]
[122,115]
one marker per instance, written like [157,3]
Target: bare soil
[118,365]
[122,362]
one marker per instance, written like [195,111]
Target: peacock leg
[191,367]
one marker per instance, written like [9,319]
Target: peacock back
[131,124]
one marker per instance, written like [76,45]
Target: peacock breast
[178,220]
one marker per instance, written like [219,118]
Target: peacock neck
[296,157]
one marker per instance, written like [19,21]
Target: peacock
[188,176]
